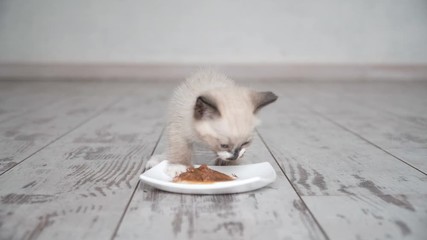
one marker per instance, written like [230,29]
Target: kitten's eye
[246,143]
[224,146]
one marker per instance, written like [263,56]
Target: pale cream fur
[234,127]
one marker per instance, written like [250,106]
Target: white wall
[225,31]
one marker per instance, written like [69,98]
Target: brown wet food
[202,174]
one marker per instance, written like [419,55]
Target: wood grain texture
[375,117]
[78,187]
[14,106]
[364,217]
[29,127]
[406,101]
[35,130]
[274,212]
[340,175]
[353,154]
[321,158]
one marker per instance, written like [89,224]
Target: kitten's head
[225,119]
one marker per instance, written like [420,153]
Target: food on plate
[202,174]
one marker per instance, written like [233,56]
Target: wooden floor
[351,159]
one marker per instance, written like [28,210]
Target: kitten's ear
[205,108]
[261,99]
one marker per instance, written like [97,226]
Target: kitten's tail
[154,160]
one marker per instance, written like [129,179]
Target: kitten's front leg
[179,156]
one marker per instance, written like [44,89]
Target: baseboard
[237,71]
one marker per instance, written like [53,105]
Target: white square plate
[249,177]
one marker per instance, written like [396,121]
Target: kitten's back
[183,99]
[200,82]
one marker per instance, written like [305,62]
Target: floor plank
[78,186]
[406,101]
[30,133]
[353,154]
[32,127]
[12,107]
[323,159]
[363,217]
[327,163]
[403,137]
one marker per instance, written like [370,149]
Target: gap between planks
[293,187]
[366,140]
[112,103]
[355,134]
[135,189]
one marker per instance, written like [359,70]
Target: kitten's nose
[235,154]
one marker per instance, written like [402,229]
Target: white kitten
[211,109]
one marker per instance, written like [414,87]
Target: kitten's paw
[154,160]
[174,169]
